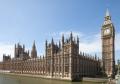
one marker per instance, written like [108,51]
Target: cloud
[75,34]
[89,43]
[7,49]
[57,35]
[92,44]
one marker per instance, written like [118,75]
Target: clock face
[106,31]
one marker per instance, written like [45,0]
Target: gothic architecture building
[63,60]
[108,46]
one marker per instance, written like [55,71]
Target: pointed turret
[23,47]
[71,36]
[15,46]
[59,44]
[52,42]
[46,43]
[62,39]
[34,51]
[34,44]
[95,56]
[77,40]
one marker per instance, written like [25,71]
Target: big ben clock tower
[108,47]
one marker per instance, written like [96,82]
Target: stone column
[62,63]
[59,64]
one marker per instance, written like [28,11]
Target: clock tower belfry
[108,46]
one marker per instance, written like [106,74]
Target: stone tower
[19,50]
[108,48]
[34,51]
[70,51]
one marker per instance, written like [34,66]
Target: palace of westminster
[63,60]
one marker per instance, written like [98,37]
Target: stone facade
[61,61]
[108,46]
[20,52]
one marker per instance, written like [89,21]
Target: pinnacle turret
[34,51]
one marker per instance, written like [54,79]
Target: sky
[24,21]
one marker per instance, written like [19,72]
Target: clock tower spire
[108,48]
[107,13]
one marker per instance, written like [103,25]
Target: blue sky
[27,20]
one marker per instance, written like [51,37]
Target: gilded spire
[107,13]
[107,18]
